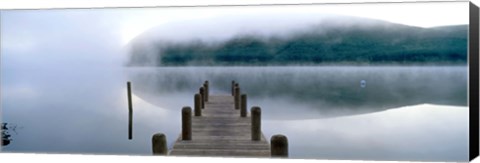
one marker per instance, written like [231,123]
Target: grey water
[84,110]
[312,91]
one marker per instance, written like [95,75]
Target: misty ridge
[334,40]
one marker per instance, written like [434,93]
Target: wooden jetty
[221,126]
[220,131]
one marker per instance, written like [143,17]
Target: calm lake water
[310,92]
[327,112]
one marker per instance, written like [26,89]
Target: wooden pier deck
[221,126]
[221,131]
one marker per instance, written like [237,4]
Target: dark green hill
[374,42]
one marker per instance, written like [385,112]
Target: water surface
[84,110]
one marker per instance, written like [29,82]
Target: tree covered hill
[375,42]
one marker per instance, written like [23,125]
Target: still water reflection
[325,111]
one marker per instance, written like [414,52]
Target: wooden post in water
[243,106]
[237,98]
[202,93]
[256,123]
[279,146]
[186,123]
[130,111]
[197,105]
[233,87]
[159,144]
[207,91]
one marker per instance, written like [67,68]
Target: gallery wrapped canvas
[356,81]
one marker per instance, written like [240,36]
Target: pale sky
[61,32]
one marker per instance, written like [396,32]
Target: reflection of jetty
[221,126]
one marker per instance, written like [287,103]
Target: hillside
[362,41]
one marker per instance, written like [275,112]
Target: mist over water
[325,91]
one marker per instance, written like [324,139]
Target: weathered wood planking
[220,131]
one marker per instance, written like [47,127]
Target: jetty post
[159,144]
[256,123]
[243,105]
[202,93]
[186,123]
[197,105]
[279,146]
[237,97]
[206,86]
[233,87]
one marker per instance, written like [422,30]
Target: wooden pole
[159,144]
[130,111]
[279,146]
[256,125]
[186,123]
[202,93]
[197,105]
[237,98]
[233,87]
[243,106]
[207,90]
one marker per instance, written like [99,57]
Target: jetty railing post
[256,123]
[233,87]
[207,91]
[237,98]
[159,144]
[202,93]
[197,105]
[279,146]
[186,123]
[243,106]
[130,111]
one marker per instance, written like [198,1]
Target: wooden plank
[226,119]
[217,137]
[220,146]
[214,139]
[217,116]
[214,142]
[217,125]
[244,128]
[221,152]
[223,133]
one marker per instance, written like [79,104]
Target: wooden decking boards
[220,131]
[222,128]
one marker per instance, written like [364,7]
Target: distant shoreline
[343,64]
